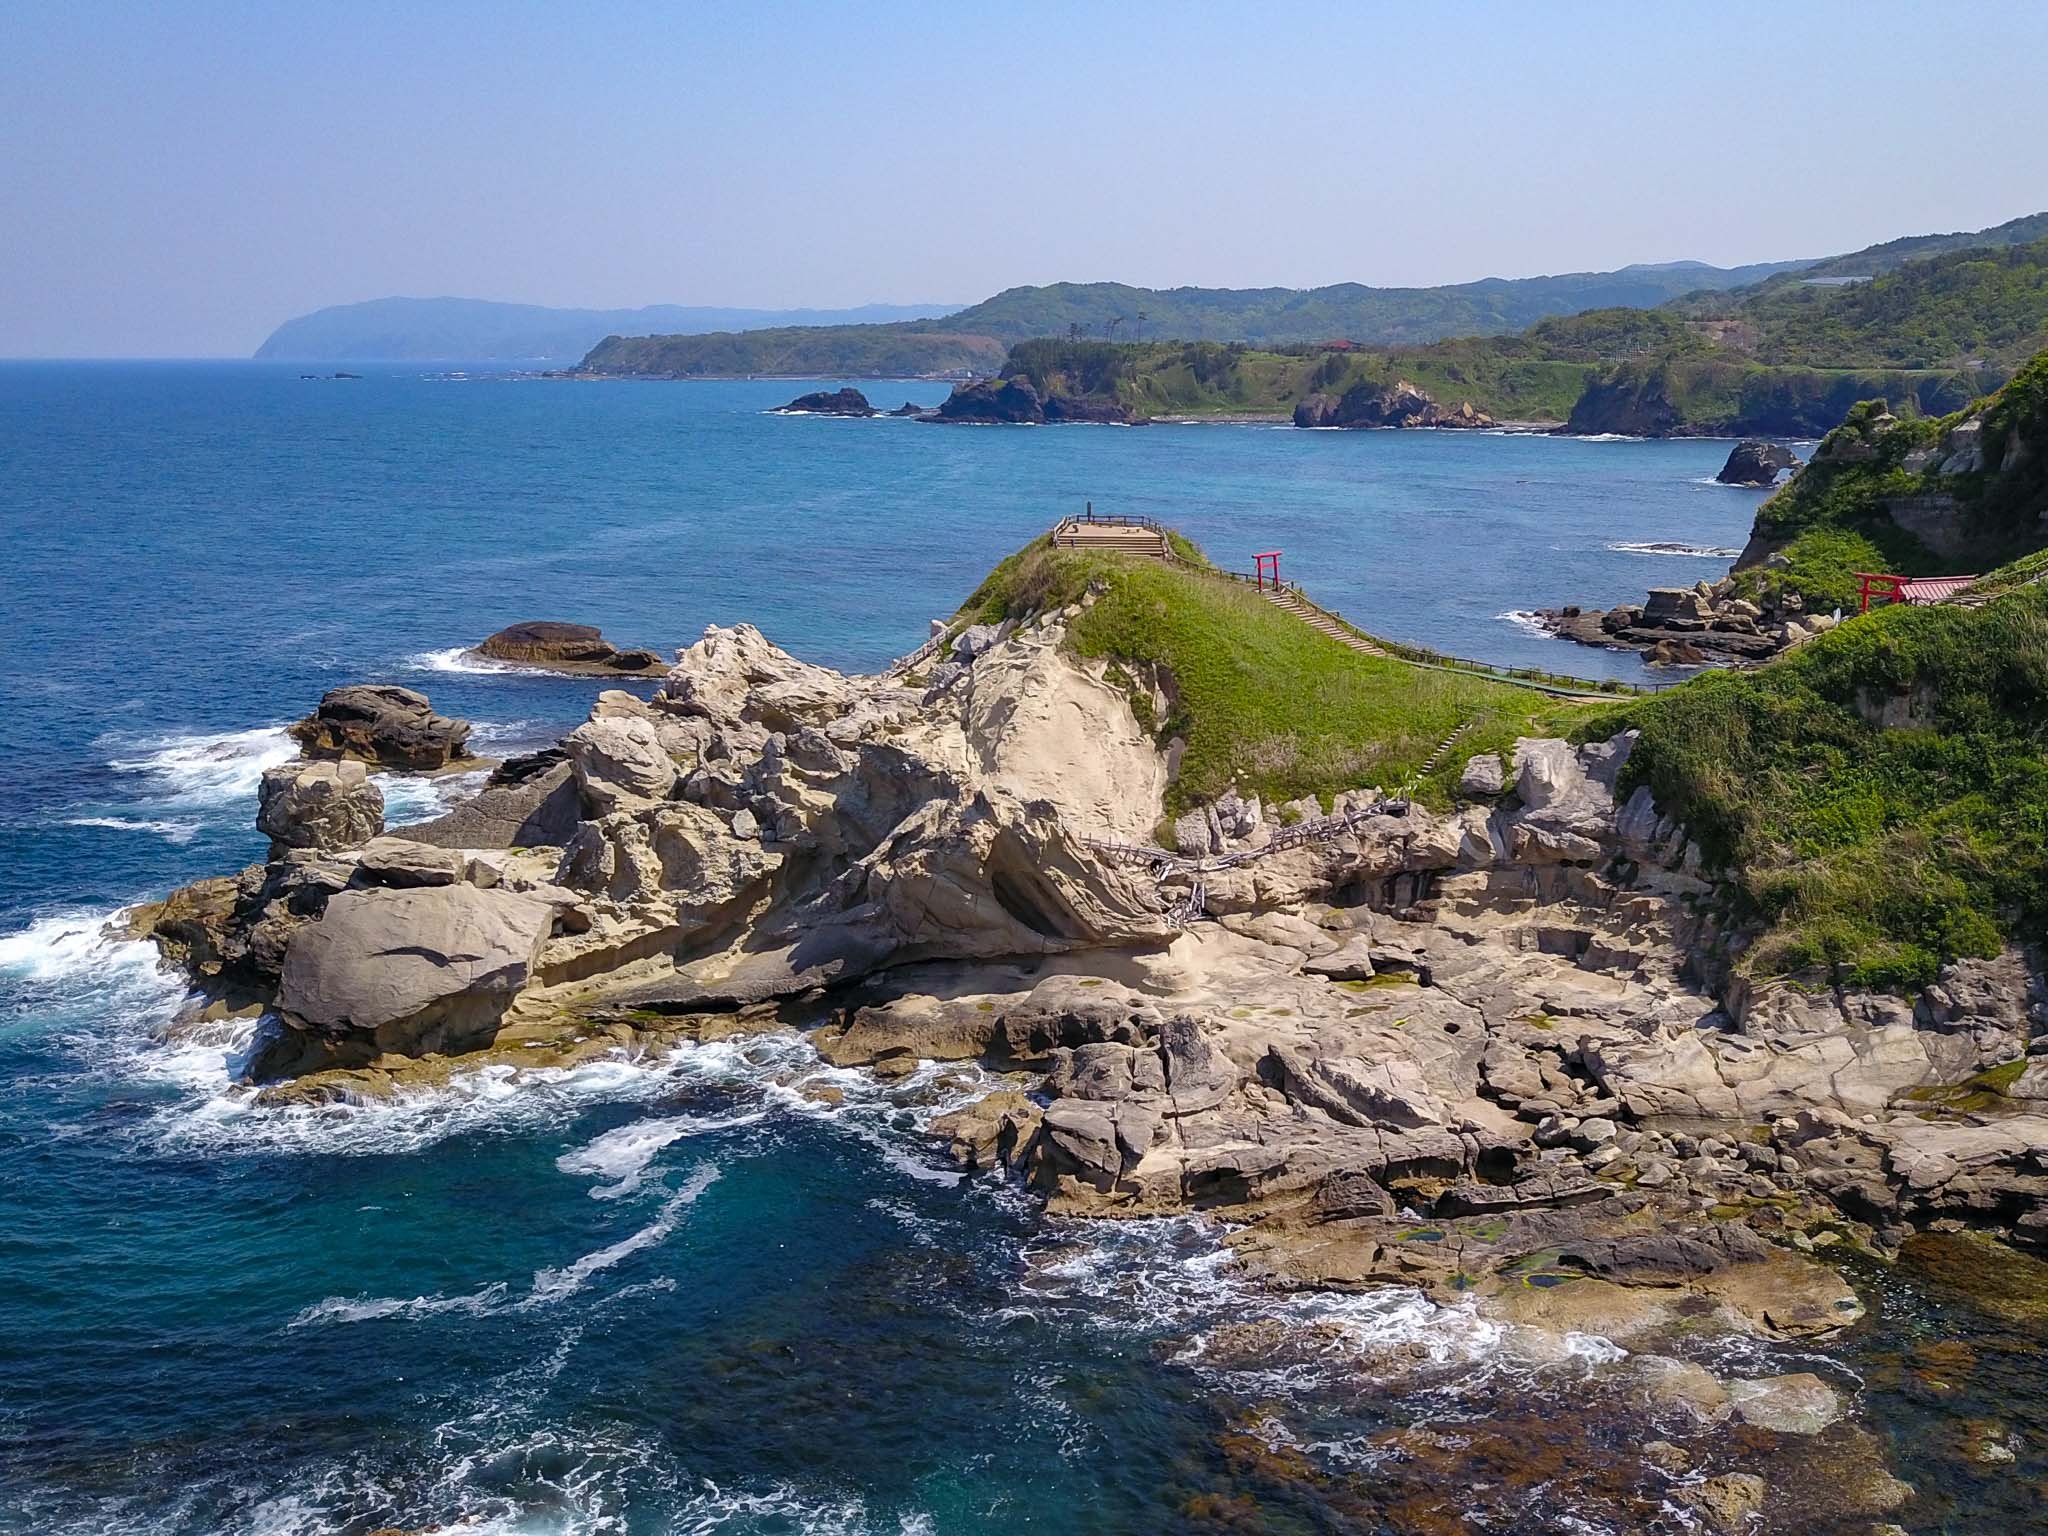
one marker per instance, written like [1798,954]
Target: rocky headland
[1501,1048]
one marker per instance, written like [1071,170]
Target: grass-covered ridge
[1866,852]
[1264,703]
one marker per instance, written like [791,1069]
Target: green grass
[1863,855]
[1263,702]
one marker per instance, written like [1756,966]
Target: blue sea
[667,1294]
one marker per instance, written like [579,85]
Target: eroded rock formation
[1519,1023]
[383,726]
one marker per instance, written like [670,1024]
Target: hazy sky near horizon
[178,178]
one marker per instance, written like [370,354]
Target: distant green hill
[1266,317]
[1350,311]
[1961,308]
[1892,254]
[483,330]
[1644,351]
[842,351]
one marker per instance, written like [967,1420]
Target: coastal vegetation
[1873,804]
[1263,703]
[1973,484]
[1964,309]
[1877,800]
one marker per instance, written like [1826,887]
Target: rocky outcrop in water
[1756,462]
[567,648]
[384,727]
[1693,626]
[1016,400]
[831,402]
[1398,405]
[990,401]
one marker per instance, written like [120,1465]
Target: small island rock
[566,648]
[830,402]
[1755,462]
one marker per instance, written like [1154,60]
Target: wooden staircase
[1316,619]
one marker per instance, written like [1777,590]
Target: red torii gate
[1267,564]
[1918,590]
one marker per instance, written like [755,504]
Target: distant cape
[482,330]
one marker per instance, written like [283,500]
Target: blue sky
[176,179]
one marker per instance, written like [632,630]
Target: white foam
[410,797]
[208,769]
[459,659]
[552,1285]
[1526,621]
[171,831]
[342,1309]
[75,946]
[1657,547]
[622,1156]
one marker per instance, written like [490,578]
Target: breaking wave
[461,660]
[1526,621]
[207,770]
[1655,547]
[80,950]
[620,1158]
[170,831]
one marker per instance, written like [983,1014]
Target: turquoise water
[665,1294]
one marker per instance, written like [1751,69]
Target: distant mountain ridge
[484,330]
[1340,311]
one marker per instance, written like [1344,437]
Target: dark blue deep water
[669,1294]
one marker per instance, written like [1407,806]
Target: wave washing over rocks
[1476,1090]
[1655,547]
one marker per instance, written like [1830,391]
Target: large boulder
[384,726]
[322,805]
[620,763]
[431,968]
[830,402]
[1755,462]
[566,647]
